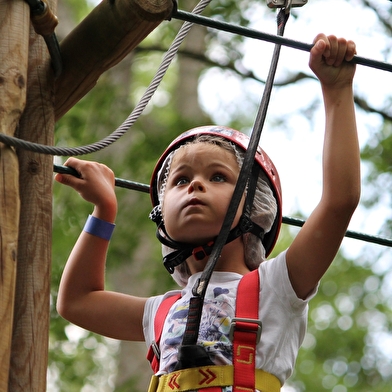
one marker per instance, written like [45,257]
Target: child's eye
[181,181]
[218,178]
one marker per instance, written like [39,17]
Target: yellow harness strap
[206,377]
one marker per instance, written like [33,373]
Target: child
[191,190]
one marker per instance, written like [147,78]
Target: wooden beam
[14,34]
[29,357]
[100,41]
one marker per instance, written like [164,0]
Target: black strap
[175,258]
[199,290]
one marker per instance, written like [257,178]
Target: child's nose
[196,185]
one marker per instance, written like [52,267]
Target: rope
[199,290]
[131,119]
[248,163]
[137,186]
[45,22]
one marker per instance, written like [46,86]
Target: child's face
[199,188]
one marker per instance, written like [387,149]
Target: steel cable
[190,19]
[255,34]
[131,119]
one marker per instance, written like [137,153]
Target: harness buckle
[156,349]
[246,328]
[200,252]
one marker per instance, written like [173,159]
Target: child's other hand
[95,185]
[329,60]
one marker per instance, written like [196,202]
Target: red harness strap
[160,316]
[245,333]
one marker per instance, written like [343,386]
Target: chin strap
[184,250]
[245,225]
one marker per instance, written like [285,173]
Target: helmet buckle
[200,252]
[245,224]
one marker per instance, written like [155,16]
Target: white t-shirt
[282,313]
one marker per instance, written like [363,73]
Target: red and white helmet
[242,141]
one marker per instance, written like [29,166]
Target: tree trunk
[102,40]
[187,97]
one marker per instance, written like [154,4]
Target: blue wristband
[99,227]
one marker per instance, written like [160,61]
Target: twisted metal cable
[131,119]
[190,19]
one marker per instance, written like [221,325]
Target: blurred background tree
[218,78]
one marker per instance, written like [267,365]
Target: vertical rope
[200,288]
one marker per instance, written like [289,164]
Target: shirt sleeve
[150,311]
[274,274]
[284,318]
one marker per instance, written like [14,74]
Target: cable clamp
[286,3]
[173,12]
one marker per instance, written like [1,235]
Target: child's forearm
[341,159]
[82,299]
[84,274]
[316,245]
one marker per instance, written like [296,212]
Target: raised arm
[82,298]
[317,243]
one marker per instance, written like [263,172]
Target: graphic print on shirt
[218,311]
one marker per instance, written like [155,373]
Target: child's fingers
[344,52]
[332,50]
[316,59]
[76,164]
[69,179]
[337,54]
[321,46]
[351,50]
[95,182]
[89,173]
[334,56]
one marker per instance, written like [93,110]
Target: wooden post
[100,41]
[113,29]
[29,357]
[14,29]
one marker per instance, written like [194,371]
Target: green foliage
[378,152]
[338,347]
[80,9]
[341,349]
